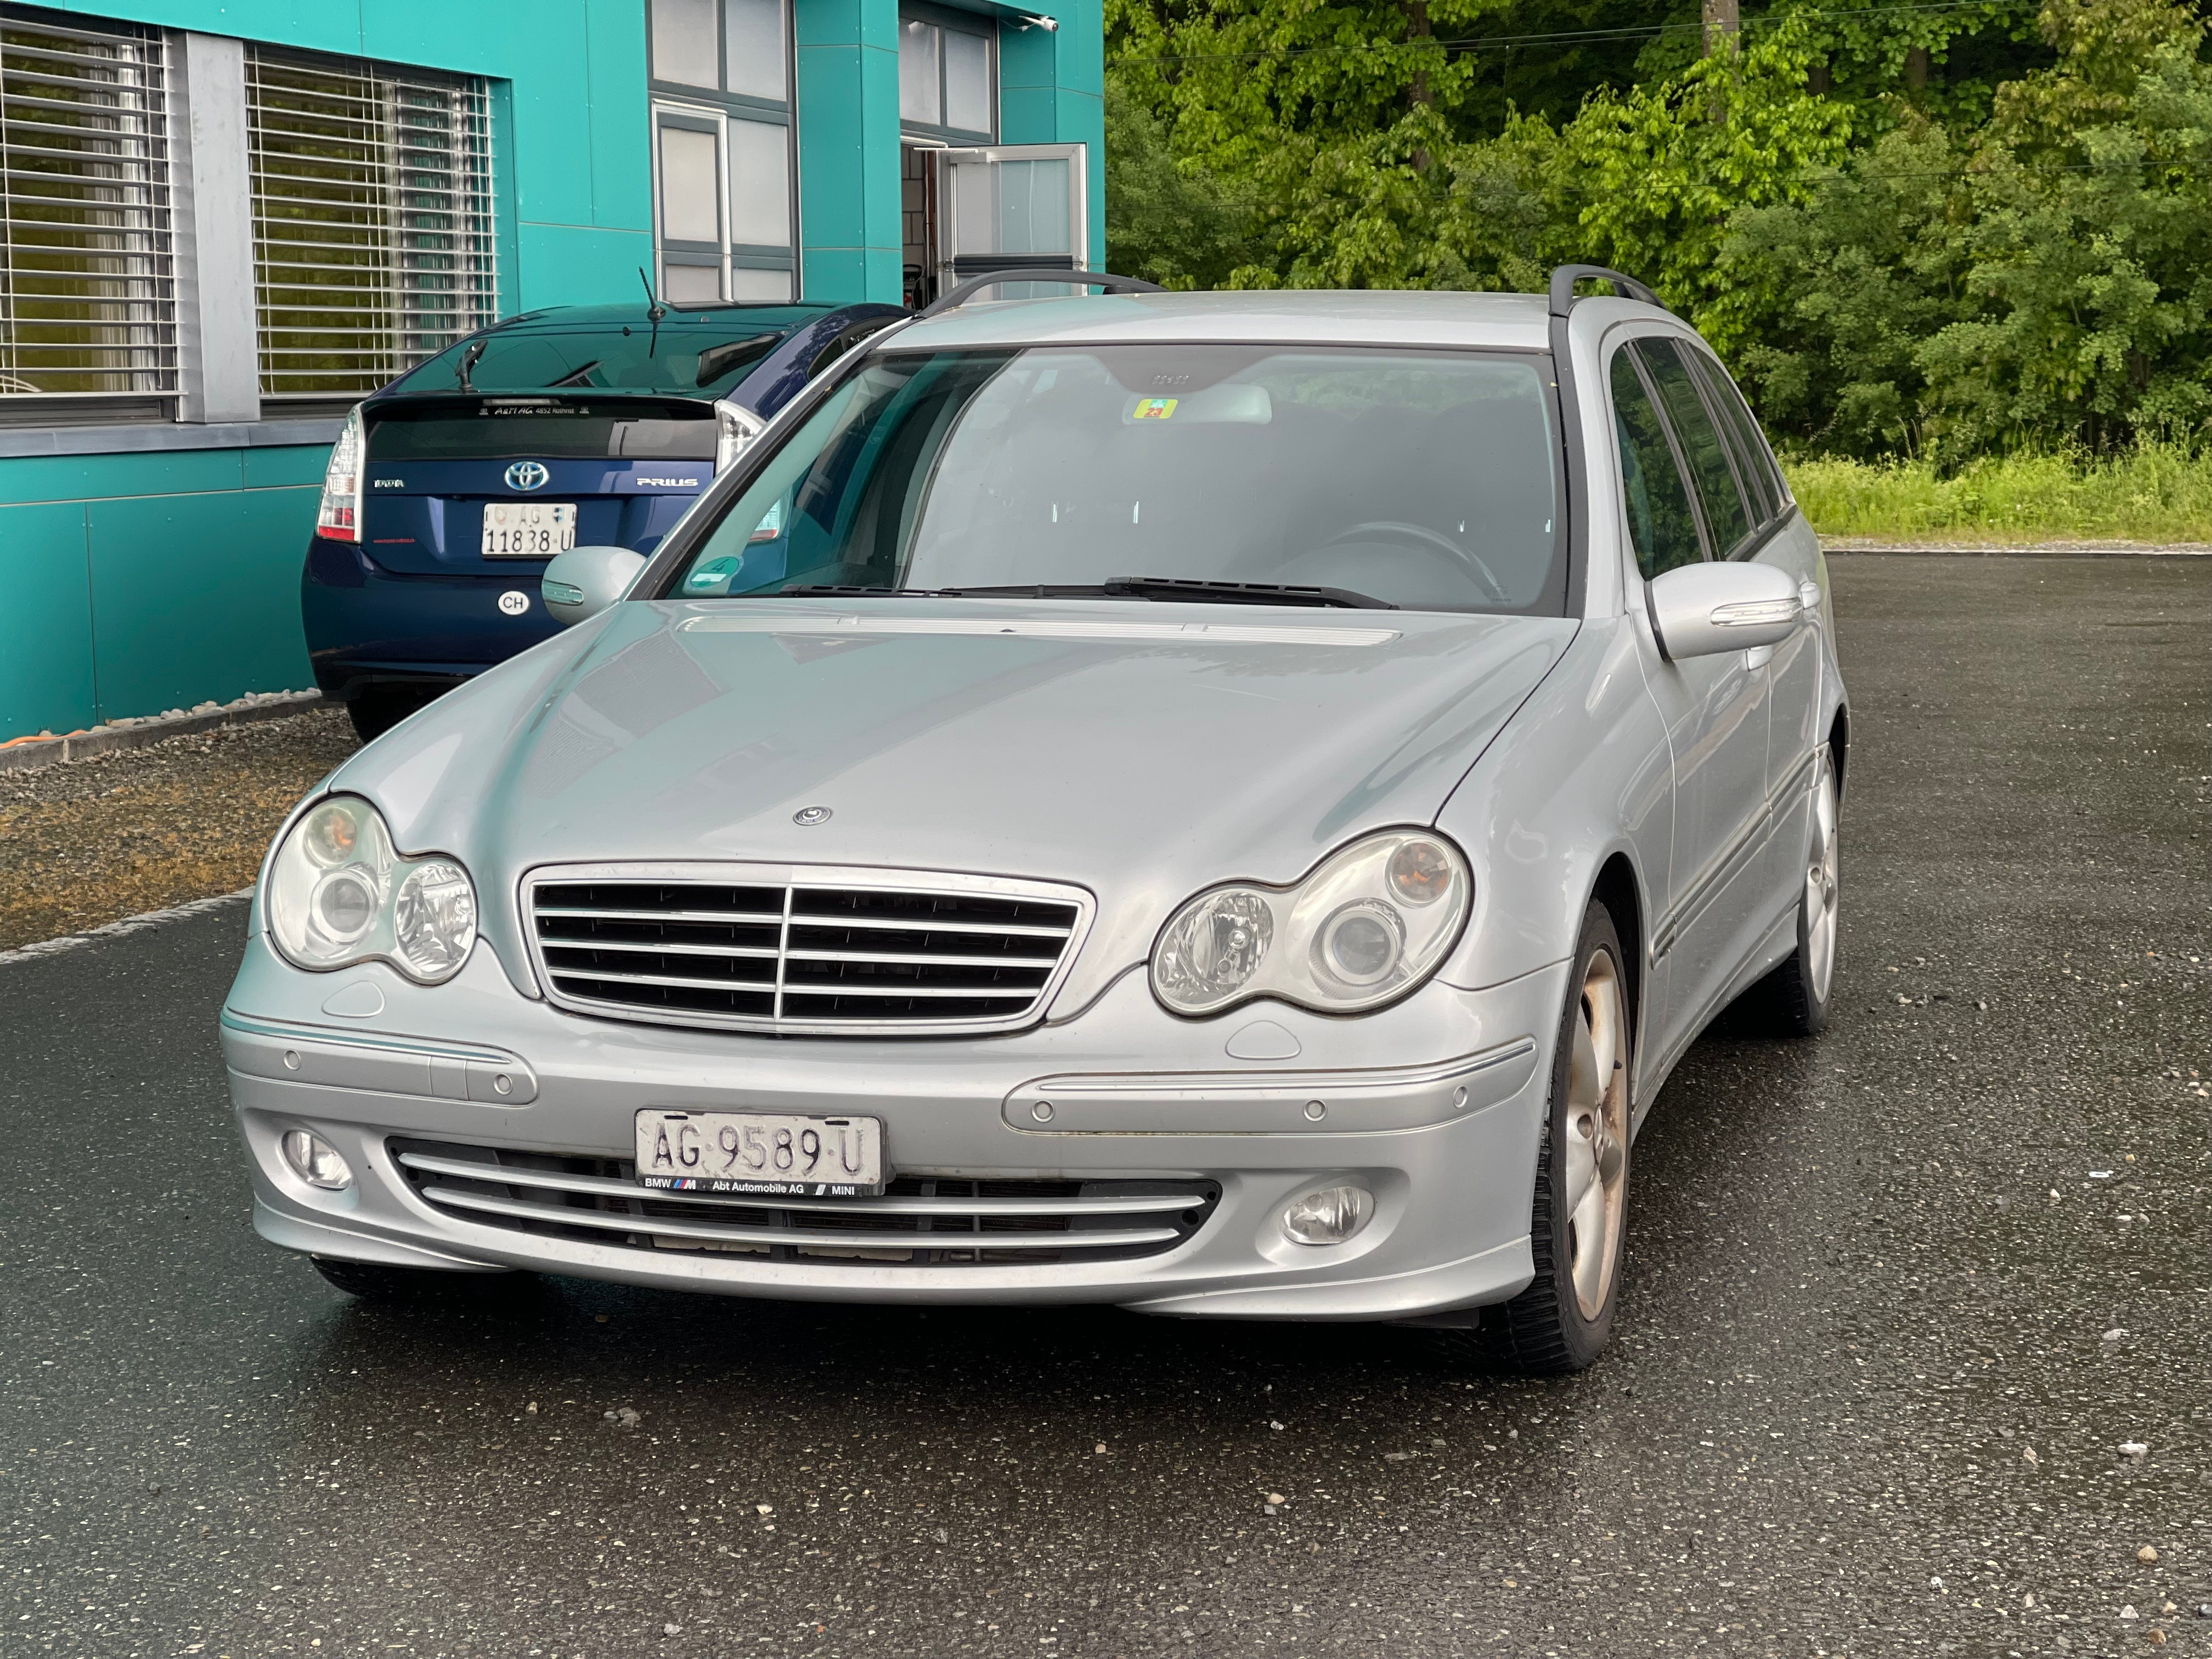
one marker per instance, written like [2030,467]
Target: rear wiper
[1212,593]
[1120,588]
[575,376]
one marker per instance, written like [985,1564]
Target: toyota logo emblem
[527,474]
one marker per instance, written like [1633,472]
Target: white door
[1005,207]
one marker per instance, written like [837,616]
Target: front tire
[1793,999]
[1579,1211]
[375,709]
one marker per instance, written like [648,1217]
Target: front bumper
[1434,1105]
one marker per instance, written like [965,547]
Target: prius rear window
[630,428]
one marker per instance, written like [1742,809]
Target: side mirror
[585,580]
[1704,610]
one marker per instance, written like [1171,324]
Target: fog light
[1329,1215]
[315,1160]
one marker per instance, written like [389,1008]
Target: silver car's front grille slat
[784,948]
[756,918]
[607,1222]
[668,949]
[1040,963]
[814,920]
[920,1220]
[1149,1204]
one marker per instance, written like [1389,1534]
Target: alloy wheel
[1820,884]
[1597,1133]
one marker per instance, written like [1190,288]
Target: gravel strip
[94,840]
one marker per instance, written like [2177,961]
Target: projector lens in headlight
[1361,943]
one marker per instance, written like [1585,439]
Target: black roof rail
[1565,277]
[1106,280]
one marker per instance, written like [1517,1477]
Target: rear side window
[1755,462]
[1659,522]
[1710,470]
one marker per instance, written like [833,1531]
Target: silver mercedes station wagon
[1226,805]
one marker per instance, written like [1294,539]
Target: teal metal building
[227,221]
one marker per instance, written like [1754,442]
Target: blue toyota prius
[584,425]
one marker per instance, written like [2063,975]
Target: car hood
[1142,750]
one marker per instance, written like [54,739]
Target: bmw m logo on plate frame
[527,474]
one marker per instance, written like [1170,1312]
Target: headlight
[337,894]
[1371,922]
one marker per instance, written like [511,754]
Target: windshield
[1426,480]
[695,356]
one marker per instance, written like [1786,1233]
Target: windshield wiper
[1025,591]
[1213,592]
[1119,587]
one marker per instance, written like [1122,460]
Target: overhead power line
[1474,44]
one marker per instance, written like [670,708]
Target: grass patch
[2158,493]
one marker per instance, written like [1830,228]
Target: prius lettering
[670,483]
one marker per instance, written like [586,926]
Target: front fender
[1580,773]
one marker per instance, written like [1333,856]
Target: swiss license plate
[761,1152]
[528,530]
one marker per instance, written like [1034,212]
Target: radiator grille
[803,954]
[921,1220]
[87,295]
[374,239]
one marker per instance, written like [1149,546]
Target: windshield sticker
[1154,409]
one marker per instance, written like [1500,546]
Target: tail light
[735,427]
[339,515]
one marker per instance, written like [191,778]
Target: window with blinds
[722,166]
[374,239]
[87,295]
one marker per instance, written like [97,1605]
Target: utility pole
[1723,22]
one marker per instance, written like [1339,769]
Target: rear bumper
[366,626]
[1435,1106]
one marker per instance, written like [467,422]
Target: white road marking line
[128,925]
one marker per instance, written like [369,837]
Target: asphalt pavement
[1896,1300]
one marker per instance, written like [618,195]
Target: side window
[1709,467]
[1659,521]
[1754,461]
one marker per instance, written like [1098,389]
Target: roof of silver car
[1346,317]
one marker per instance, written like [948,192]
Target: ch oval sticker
[514,602]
